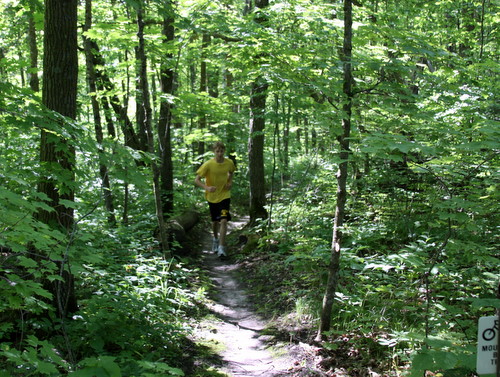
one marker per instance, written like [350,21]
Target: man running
[218,179]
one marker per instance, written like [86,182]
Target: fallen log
[178,226]
[186,220]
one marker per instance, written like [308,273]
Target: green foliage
[419,258]
[444,354]
[102,366]
[38,357]
[131,319]
[417,252]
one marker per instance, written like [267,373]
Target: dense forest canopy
[105,117]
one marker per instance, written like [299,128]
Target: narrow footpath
[237,329]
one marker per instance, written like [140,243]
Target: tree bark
[343,139]
[142,105]
[202,121]
[258,98]
[230,130]
[256,151]
[177,227]
[131,138]
[33,75]
[60,64]
[143,98]
[167,79]
[57,156]
[287,111]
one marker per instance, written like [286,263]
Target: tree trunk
[256,151]
[287,111]
[167,76]
[258,98]
[306,135]
[144,98]
[202,120]
[91,78]
[230,129]
[334,267]
[60,64]
[481,50]
[131,138]
[33,75]
[275,153]
[141,56]
[60,79]
[141,103]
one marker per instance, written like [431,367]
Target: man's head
[218,145]
[219,149]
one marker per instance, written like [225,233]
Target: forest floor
[240,343]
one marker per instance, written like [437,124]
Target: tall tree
[202,121]
[143,110]
[33,74]
[60,77]
[258,98]
[57,156]
[343,142]
[167,80]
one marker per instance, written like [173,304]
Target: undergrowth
[414,277]
[133,317]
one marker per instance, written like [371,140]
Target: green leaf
[68,203]
[90,372]
[45,368]
[27,262]
[445,360]
[331,346]
[110,366]
[420,363]
[104,366]
[485,302]
[438,342]
[163,368]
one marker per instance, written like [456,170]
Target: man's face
[219,154]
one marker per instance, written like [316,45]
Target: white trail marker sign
[487,345]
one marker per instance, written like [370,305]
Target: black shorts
[220,210]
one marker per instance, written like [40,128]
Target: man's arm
[229,183]
[199,183]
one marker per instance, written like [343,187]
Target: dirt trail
[238,331]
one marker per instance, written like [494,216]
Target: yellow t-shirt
[216,174]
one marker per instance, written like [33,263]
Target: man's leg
[215,229]
[225,217]
[221,252]
[223,231]
[215,240]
